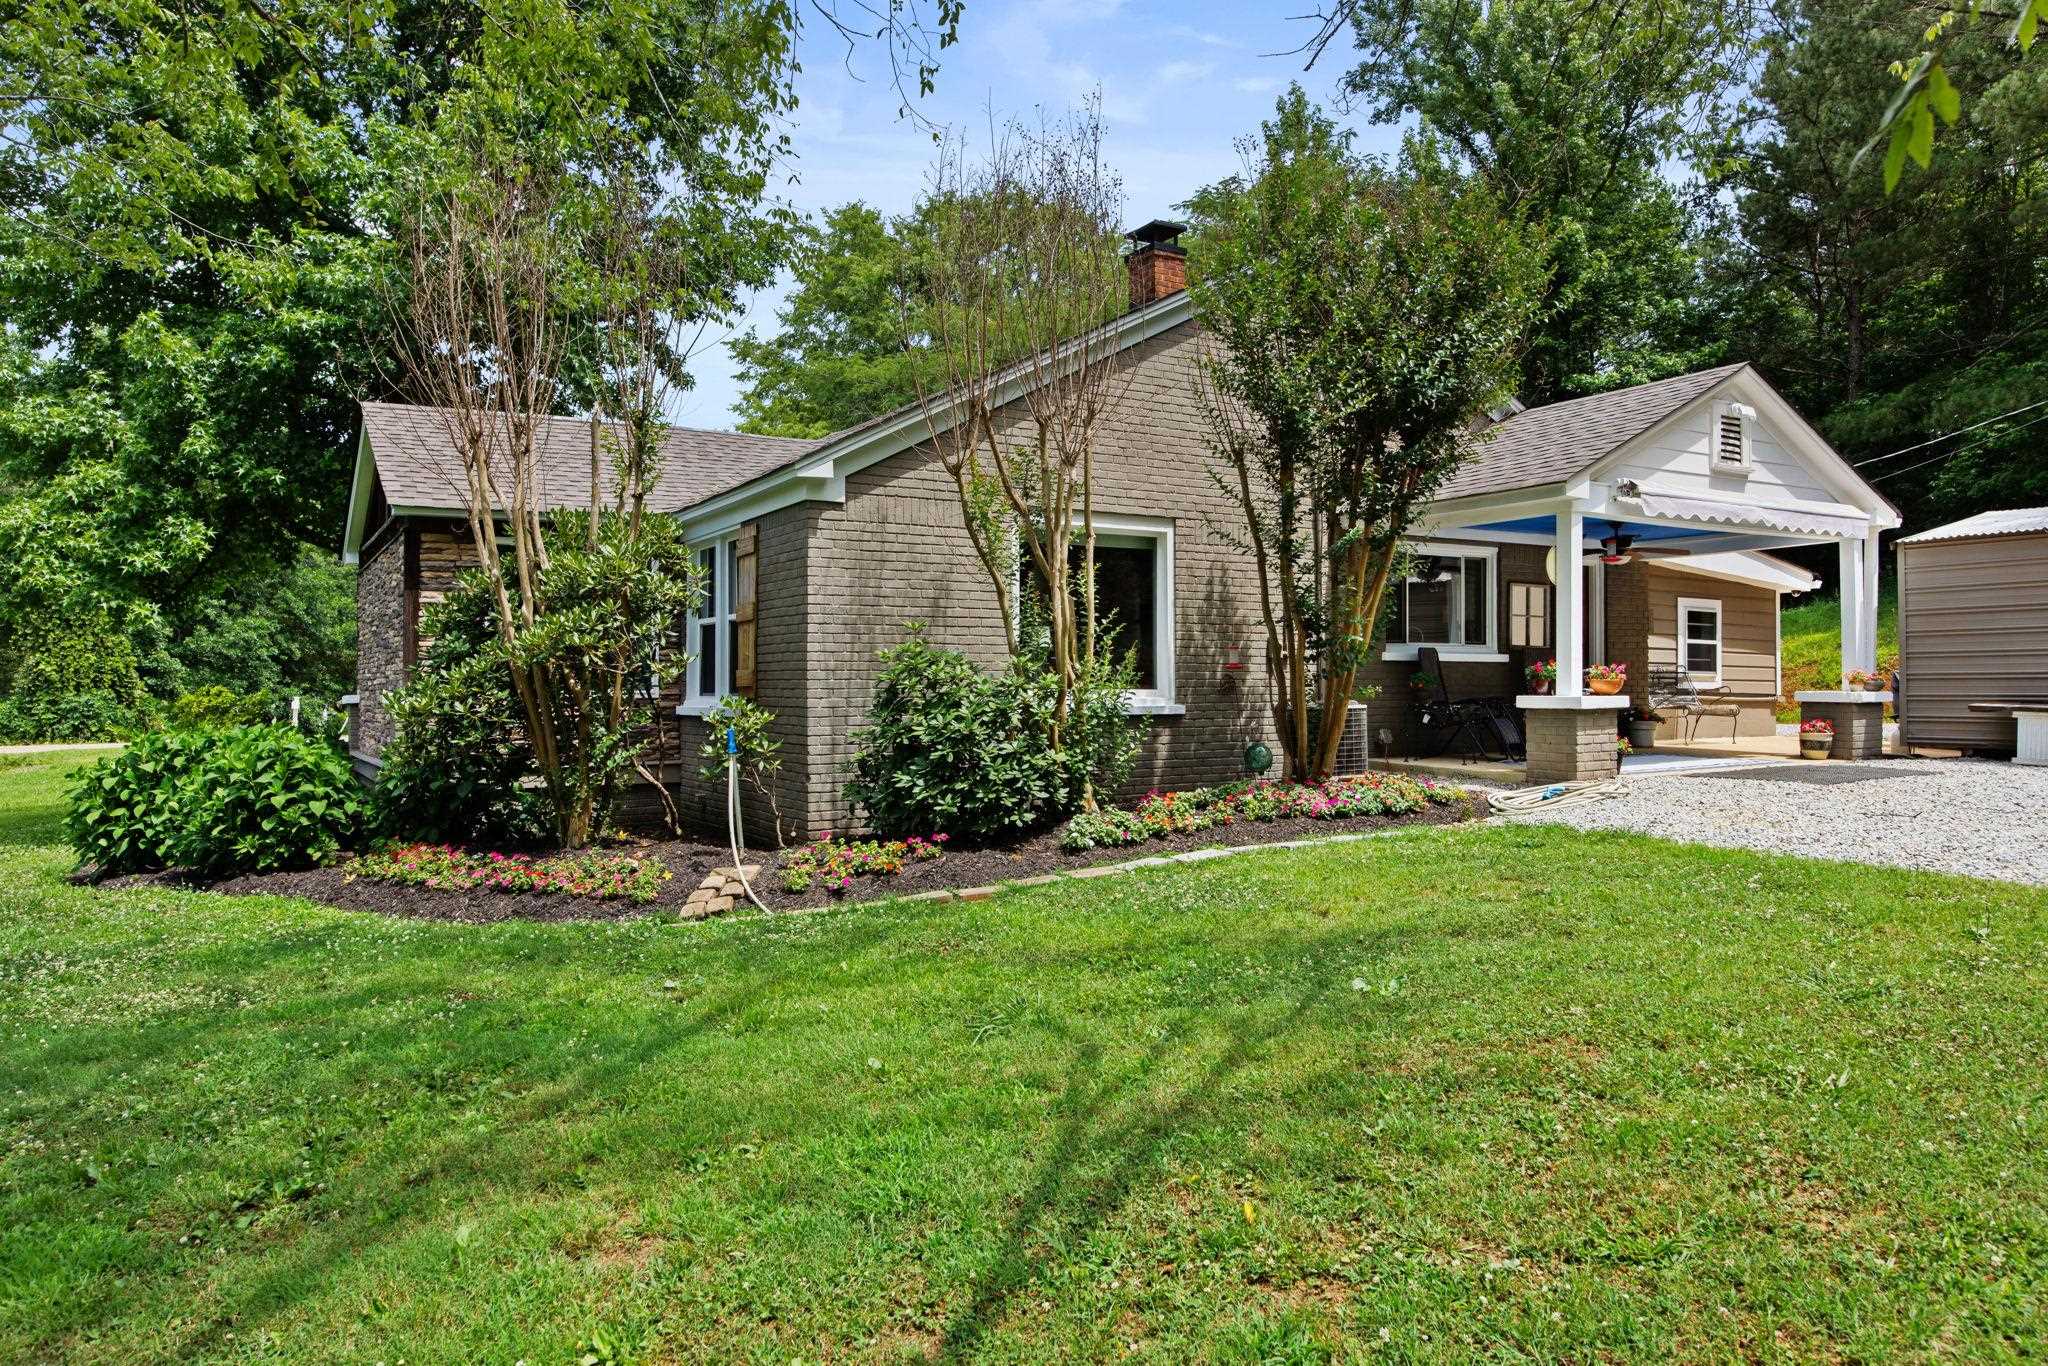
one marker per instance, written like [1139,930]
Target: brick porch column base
[1570,739]
[1858,719]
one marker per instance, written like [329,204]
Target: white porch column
[1853,609]
[1571,605]
[1869,630]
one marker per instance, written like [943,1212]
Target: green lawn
[1504,1092]
[1810,646]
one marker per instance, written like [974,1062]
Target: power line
[1932,440]
[1935,460]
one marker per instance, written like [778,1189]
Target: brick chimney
[1158,264]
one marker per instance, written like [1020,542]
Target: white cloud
[1196,35]
[1255,85]
[1180,73]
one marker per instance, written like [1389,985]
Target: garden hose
[1529,801]
[732,811]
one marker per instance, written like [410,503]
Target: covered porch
[1608,531]
[1680,480]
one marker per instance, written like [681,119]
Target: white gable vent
[1730,444]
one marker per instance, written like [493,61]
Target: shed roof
[2010,522]
[416,464]
[1550,444]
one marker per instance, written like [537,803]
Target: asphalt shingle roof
[416,460]
[2010,522]
[1549,445]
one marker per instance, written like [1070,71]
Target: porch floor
[1670,756]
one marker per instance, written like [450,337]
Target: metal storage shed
[1973,628]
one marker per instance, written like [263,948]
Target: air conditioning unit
[1354,750]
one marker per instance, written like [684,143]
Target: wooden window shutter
[746,578]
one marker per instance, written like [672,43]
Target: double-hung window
[1447,601]
[1699,639]
[708,634]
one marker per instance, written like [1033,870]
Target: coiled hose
[1528,801]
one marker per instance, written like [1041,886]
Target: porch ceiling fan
[1619,547]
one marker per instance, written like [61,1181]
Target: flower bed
[445,868]
[833,864]
[1161,814]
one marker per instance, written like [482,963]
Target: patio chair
[1491,726]
[1673,693]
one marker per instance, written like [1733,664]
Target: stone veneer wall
[380,639]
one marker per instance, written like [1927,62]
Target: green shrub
[125,812]
[249,799]
[60,718]
[216,706]
[264,798]
[71,680]
[951,748]
[458,769]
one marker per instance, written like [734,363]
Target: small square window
[1529,615]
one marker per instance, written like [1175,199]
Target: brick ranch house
[821,551]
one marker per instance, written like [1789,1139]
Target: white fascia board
[358,499]
[821,476]
[1450,515]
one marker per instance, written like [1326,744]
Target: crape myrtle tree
[1357,319]
[516,258]
[1023,270]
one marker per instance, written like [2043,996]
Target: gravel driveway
[1986,819]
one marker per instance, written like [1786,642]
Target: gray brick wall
[897,551]
[1571,746]
[1859,727]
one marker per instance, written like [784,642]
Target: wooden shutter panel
[746,576]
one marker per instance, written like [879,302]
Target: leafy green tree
[1894,318]
[1361,318]
[844,348]
[1567,111]
[195,233]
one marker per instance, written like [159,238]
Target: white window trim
[695,703]
[1720,627]
[1157,701]
[1744,414]
[1487,652]
[1139,701]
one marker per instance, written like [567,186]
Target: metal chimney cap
[1158,233]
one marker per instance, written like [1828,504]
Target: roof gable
[1551,444]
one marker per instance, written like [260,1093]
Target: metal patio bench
[1674,693]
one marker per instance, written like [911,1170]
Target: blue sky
[1179,83]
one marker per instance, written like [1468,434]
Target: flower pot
[1642,734]
[1816,746]
[1604,687]
[1540,687]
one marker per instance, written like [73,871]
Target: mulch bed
[689,860]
